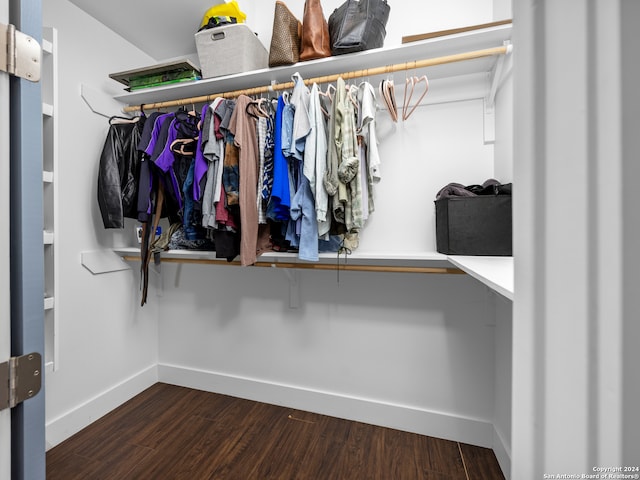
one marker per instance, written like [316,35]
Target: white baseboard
[503,453]
[71,422]
[401,417]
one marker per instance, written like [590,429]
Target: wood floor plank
[481,463]
[183,454]
[170,432]
[324,452]
[252,438]
[70,466]
[160,423]
[286,445]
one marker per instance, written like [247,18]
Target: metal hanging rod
[429,62]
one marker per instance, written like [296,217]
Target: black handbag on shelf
[358,25]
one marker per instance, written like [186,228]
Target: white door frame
[5,294]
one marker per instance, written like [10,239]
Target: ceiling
[149,25]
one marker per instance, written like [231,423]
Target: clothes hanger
[388,94]
[193,112]
[327,94]
[350,96]
[331,89]
[412,82]
[256,109]
[115,119]
[180,145]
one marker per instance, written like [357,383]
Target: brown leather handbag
[315,32]
[285,38]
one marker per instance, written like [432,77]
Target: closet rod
[313,266]
[429,62]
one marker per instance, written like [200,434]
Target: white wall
[503,384]
[105,339]
[399,341]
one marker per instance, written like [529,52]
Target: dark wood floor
[169,432]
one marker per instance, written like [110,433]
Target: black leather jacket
[118,174]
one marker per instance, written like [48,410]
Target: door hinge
[20,54]
[20,379]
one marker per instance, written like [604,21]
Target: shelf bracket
[156,267]
[489,125]
[496,77]
[102,261]
[99,102]
[293,276]
[490,99]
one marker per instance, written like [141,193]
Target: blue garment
[231,172]
[303,208]
[288,114]
[280,201]
[332,245]
[188,221]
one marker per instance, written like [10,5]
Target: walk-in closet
[528,355]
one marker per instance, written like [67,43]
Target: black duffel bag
[358,25]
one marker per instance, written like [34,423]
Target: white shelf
[495,272]
[435,47]
[417,259]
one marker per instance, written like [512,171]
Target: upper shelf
[431,48]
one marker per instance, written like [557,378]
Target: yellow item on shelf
[230,9]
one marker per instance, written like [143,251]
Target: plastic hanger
[388,94]
[410,84]
[180,146]
[115,119]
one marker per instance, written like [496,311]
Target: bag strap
[148,240]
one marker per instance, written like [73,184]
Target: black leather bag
[358,25]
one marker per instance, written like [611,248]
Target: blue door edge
[28,442]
